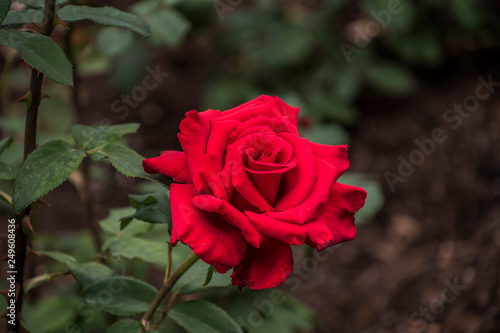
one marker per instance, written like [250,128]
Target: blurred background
[412,86]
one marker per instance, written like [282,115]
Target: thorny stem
[29,146]
[166,287]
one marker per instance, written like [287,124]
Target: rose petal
[335,155]
[314,204]
[289,233]
[266,267]
[171,164]
[207,234]
[286,110]
[194,135]
[297,183]
[343,202]
[232,215]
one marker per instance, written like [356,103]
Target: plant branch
[166,287]
[29,146]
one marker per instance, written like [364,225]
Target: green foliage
[59,256]
[119,295]
[7,172]
[168,26]
[18,17]
[88,273]
[153,207]
[40,52]
[196,278]
[127,326]
[45,169]
[107,16]
[88,137]
[138,248]
[4,9]
[203,316]
[390,78]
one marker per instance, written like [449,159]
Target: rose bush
[248,186]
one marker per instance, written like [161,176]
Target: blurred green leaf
[4,9]
[40,318]
[113,41]
[119,295]
[23,16]
[45,169]
[375,195]
[203,316]
[7,172]
[127,72]
[88,273]
[328,106]
[127,326]
[88,137]
[58,256]
[138,248]
[390,78]
[107,16]
[5,143]
[40,52]
[327,134]
[194,279]
[168,26]
[467,12]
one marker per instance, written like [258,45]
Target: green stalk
[166,287]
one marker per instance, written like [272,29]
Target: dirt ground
[429,261]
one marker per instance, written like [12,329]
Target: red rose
[251,187]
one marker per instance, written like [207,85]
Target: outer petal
[232,215]
[195,131]
[343,202]
[335,155]
[289,233]
[207,234]
[287,111]
[171,164]
[265,267]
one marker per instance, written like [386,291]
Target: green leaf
[203,316]
[138,248]
[4,9]
[59,256]
[210,273]
[88,273]
[390,78]
[153,207]
[23,16]
[127,162]
[194,279]
[119,295]
[111,224]
[88,137]
[7,172]
[168,27]
[45,169]
[127,326]
[5,143]
[113,41]
[40,52]
[108,16]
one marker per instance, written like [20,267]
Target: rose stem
[29,146]
[167,285]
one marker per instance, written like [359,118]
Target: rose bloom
[248,186]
